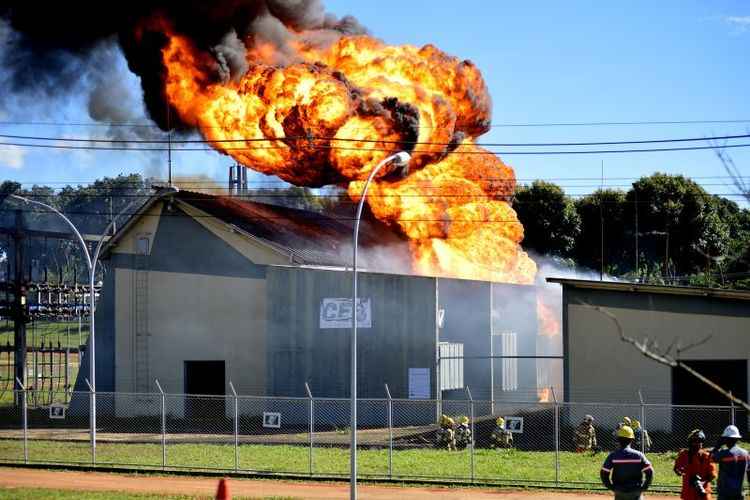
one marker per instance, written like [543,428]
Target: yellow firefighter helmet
[625,432]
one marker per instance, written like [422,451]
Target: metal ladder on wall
[142,372]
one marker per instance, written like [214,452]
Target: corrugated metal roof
[310,237]
[622,286]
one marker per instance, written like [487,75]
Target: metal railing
[309,436]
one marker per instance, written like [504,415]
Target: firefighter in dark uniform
[446,436]
[734,465]
[626,471]
[501,437]
[463,433]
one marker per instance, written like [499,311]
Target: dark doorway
[204,378]
[688,390]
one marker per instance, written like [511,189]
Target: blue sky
[549,62]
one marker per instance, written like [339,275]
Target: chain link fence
[308,436]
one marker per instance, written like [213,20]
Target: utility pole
[19,305]
[637,273]
[601,222]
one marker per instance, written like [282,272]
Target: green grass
[48,494]
[490,465]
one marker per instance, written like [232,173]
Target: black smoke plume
[51,49]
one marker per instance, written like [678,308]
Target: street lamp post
[91,263]
[398,160]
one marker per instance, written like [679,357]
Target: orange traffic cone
[222,493]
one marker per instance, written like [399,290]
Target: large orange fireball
[331,112]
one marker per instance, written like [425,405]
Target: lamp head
[400,164]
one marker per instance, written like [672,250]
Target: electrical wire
[372,141]
[518,180]
[455,152]
[495,125]
[273,193]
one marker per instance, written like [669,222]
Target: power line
[455,152]
[518,180]
[370,141]
[495,125]
[342,196]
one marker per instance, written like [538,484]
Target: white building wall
[602,368]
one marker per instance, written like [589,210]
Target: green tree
[551,224]
[679,224]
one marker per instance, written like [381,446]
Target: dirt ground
[94,481]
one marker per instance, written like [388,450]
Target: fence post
[163,425]
[24,421]
[390,431]
[92,399]
[643,422]
[731,409]
[312,427]
[471,419]
[236,427]
[556,409]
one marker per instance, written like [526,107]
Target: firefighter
[626,471]
[734,464]
[446,436]
[642,438]
[501,437]
[585,435]
[463,433]
[695,467]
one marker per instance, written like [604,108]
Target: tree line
[90,207]
[664,229]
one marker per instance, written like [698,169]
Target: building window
[451,365]
[142,245]
[510,366]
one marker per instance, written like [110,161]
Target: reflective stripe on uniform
[627,461]
[606,470]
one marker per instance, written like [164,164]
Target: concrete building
[202,290]
[599,367]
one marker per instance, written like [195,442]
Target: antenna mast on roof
[169,149]
[237,180]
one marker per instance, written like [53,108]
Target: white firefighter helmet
[731,432]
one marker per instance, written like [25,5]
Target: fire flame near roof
[328,113]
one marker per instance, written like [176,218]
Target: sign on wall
[419,383]
[514,424]
[337,313]
[272,420]
[56,411]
